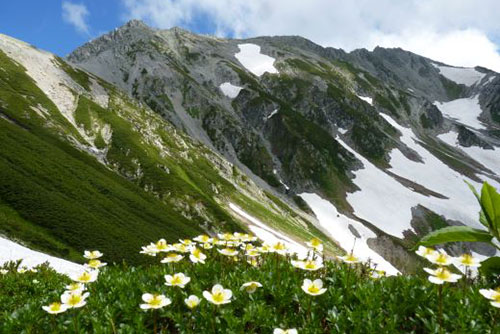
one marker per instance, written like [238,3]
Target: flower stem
[75,323]
[440,307]
[155,321]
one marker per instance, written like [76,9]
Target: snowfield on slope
[488,158]
[387,204]
[460,75]
[337,226]
[267,234]
[254,61]
[11,251]
[367,99]
[230,90]
[465,111]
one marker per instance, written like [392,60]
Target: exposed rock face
[431,116]
[467,138]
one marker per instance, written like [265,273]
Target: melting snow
[488,158]
[11,251]
[337,226]
[274,112]
[465,111]
[267,234]
[465,76]
[367,99]
[230,90]
[387,204]
[254,61]
[342,130]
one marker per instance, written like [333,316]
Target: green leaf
[490,266]
[482,218]
[490,202]
[455,234]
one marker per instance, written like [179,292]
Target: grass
[353,303]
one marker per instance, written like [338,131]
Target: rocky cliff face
[375,134]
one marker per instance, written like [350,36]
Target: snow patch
[267,234]
[274,112]
[230,90]
[367,99]
[488,158]
[460,75]
[387,204]
[342,130]
[254,61]
[465,111]
[11,251]
[337,226]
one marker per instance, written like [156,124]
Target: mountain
[83,165]
[143,133]
[376,144]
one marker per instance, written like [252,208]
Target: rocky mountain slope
[83,165]
[376,144]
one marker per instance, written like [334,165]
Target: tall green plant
[489,216]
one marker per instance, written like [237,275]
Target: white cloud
[76,15]
[451,31]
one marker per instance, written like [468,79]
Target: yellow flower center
[156,301]
[428,251]
[467,259]
[279,246]
[85,277]
[443,274]
[310,265]
[54,307]
[176,280]
[161,245]
[351,257]
[315,242]
[442,258]
[74,299]
[313,289]
[196,253]
[218,297]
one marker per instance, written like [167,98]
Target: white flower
[178,279]
[219,295]
[74,299]
[197,256]
[150,250]
[181,248]
[85,277]
[493,295]
[161,246]
[226,236]
[203,239]
[154,301]
[279,247]
[253,262]
[310,265]
[440,258]
[92,255]
[313,288]
[424,251]
[251,287]
[55,308]
[228,251]
[192,301]
[94,264]
[172,258]
[441,275]
[22,270]
[349,258]
[3,271]
[285,331]
[75,287]
[207,245]
[467,260]
[252,253]
[315,244]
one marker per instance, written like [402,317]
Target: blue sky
[456,32]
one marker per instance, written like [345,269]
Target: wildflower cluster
[76,293]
